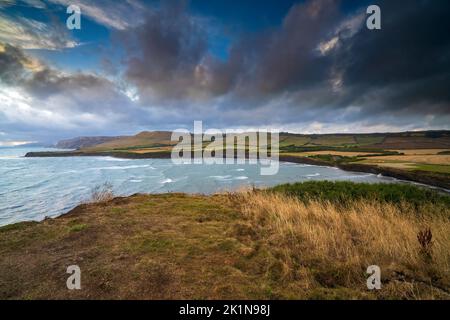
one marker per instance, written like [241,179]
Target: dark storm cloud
[319,59]
[168,55]
[12,62]
[320,70]
[164,53]
[287,59]
[407,62]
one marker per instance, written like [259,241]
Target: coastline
[430,179]
[422,177]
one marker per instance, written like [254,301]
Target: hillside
[390,141]
[83,142]
[250,245]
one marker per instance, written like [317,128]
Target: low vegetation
[102,193]
[344,192]
[290,242]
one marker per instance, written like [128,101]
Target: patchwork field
[422,161]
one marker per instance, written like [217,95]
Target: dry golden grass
[426,159]
[151,150]
[421,151]
[334,245]
[334,153]
[395,165]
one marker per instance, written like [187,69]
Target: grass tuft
[77,227]
[102,193]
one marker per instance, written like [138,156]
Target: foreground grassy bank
[282,243]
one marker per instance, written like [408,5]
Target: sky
[306,66]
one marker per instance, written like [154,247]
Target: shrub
[343,192]
[102,193]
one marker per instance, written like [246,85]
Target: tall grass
[331,245]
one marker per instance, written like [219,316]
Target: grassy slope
[249,245]
[157,139]
[418,140]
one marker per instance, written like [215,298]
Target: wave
[227,177]
[347,177]
[112,159]
[313,175]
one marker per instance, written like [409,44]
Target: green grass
[294,140]
[333,140]
[147,146]
[16,226]
[368,140]
[343,192]
[433,168]
[334,159]
[375,151]
[77,227]
[118,211]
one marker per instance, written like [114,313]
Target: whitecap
[112,159]
[122,168]
[220,177]
[241,178]
[313,175]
